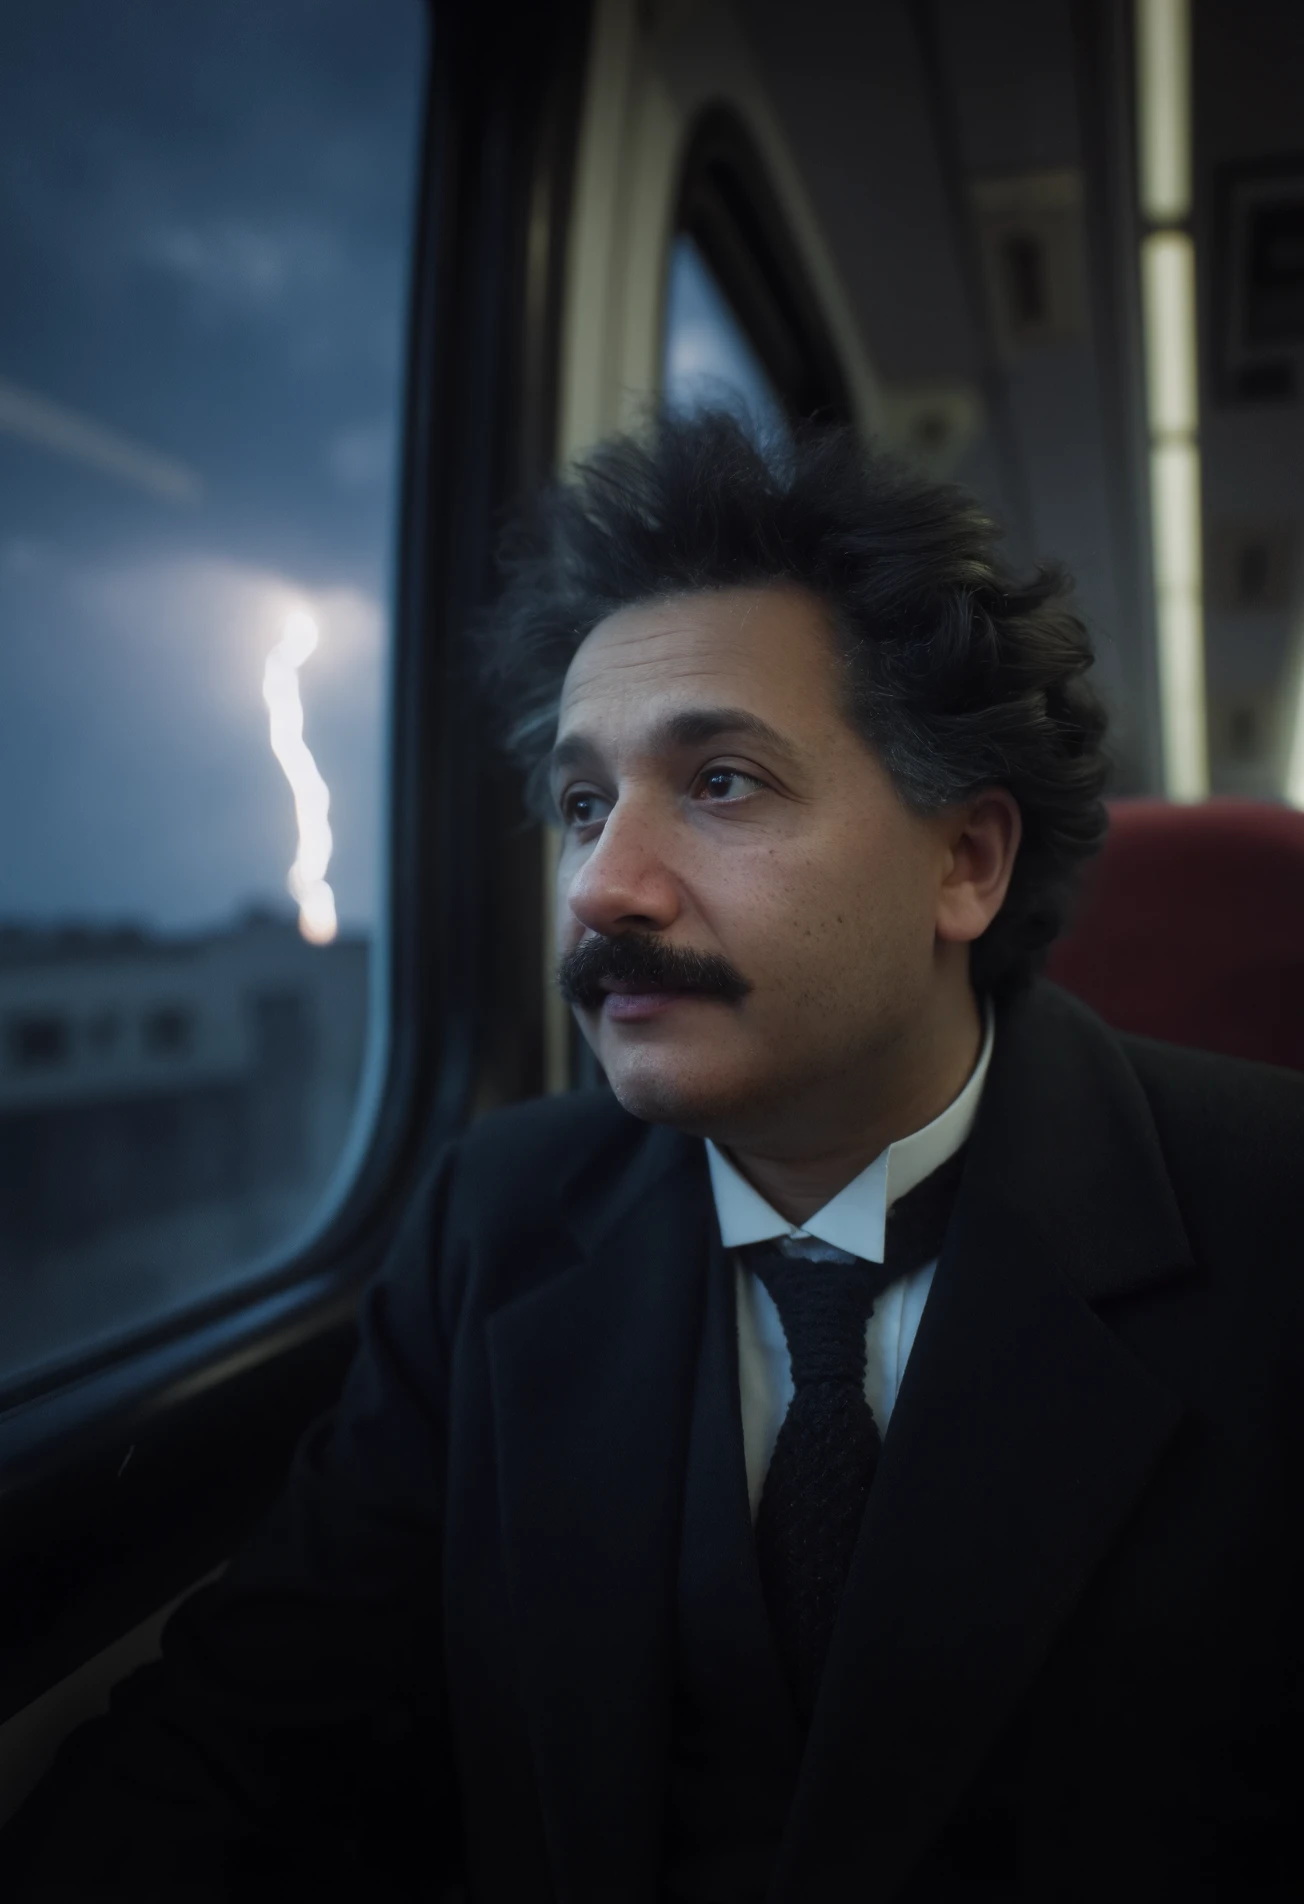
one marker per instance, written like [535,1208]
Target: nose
[625,880]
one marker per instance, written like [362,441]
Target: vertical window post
[1168,300]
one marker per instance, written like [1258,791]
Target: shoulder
[1257,1109]
[495,1207]
[1195,1098]
[1227,1134]
[1232,1134]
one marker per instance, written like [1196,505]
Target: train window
[709,358]
[204,232]
[744,325]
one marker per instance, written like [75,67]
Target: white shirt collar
[856,1218]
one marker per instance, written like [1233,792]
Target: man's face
[729,832]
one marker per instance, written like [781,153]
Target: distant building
[170,1108]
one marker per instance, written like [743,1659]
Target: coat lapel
[593,1376]
[1022,1438]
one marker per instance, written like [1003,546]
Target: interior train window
[204,235]
[709,358]
[743,327]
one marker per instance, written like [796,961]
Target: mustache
[639,958]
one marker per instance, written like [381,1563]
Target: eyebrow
[691,727]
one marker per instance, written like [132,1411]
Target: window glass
[709,358]
[205,215]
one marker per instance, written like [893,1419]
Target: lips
[632,1005]
[640,988]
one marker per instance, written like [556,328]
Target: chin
[661,1089]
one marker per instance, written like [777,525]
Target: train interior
[300,299]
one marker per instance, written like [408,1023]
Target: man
[859,1455]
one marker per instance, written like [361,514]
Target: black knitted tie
[828,1446]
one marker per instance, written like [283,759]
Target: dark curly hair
[958,675]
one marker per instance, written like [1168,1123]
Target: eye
[724,786]
[582,807]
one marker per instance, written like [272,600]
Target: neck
[926,1077]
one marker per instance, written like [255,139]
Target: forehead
[767,649]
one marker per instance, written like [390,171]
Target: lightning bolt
[307,876]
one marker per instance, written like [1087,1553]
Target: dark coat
[1070,1659]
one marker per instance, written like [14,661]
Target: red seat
[1192,928]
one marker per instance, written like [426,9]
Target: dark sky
[205,218]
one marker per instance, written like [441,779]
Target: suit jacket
[1069,1663]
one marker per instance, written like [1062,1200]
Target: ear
[983,838]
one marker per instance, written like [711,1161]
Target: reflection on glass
[709,359]
[204,236]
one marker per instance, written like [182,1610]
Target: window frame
[128,1472]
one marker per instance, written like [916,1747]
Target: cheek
[756,907]
[854,903]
